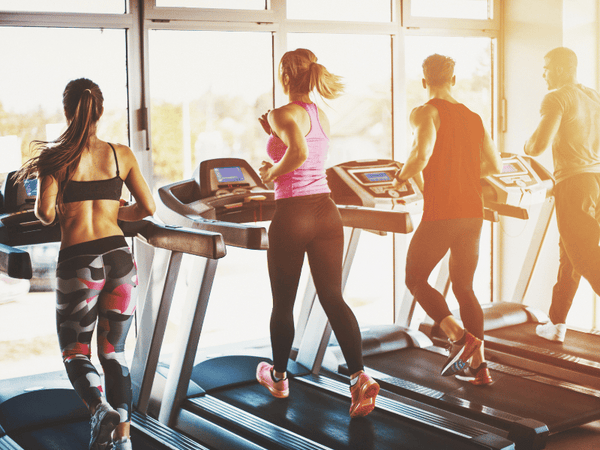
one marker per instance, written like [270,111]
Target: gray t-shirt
[576,147]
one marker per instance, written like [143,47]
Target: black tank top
[110,189]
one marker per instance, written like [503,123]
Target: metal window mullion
[68,20]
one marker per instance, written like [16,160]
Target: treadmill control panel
[370,183]
[519,183]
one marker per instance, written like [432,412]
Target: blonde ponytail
[306,75]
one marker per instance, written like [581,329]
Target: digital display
[511,168]
[378,177]
[30,188]
[229,174]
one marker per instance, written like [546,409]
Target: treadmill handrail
[15,263]
[174,211]
[24,228]
[368,218]
[175,238]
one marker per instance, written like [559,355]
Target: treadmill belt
[323,417]
[75,436]
[583,345]
[552,405]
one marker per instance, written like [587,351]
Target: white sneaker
[122,444]
[552,332]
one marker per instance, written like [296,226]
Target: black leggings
[309,224]
[429,245]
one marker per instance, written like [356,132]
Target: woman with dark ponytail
[80,179]
[306,221]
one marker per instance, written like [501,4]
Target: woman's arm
[45,202]
[144,202]
[284,125]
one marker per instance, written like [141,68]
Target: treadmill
[510,326]
[405,361]
[44,411]
[222,195]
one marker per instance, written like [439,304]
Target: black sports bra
[109,189]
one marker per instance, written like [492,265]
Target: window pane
[361,120]
[208,90]
[31,106]
[361,128]
[452,9]
[217,4]
[66,6]
[473,70]
[213,88]
[351,10]
[34,75]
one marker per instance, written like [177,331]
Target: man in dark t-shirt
[451,151]
[570,122]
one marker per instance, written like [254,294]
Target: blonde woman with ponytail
[80,180]
[306,221]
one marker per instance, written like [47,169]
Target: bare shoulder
[424,112]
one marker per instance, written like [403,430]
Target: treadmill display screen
[378,177]
[511,168]
[366,178]
[229,174]
[30,188]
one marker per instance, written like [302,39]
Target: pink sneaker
[264,375]
[363,393]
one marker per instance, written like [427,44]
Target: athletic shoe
[460,354]
[478,377]
[103,422]
[552,332]
[264,375]
[122,444]
[363,392]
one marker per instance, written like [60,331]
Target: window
[220,4]
[452,9]
[205,105]
[66,6]
[350,10]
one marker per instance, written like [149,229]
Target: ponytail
[306,75]
[83,106]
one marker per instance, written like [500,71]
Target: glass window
[31,106]
[34,75]
[350,10]
[206,98]
[217,4]
[66,6]
[452,9]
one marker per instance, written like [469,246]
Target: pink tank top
[309,178]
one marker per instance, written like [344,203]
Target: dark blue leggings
[429,245]
[309,224]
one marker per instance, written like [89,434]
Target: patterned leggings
[94,282]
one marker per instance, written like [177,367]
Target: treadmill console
[18,196]
[222,176]
[369,183]
[522,182]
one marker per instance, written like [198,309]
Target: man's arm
[423,123]
[544,134]
[491,163]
